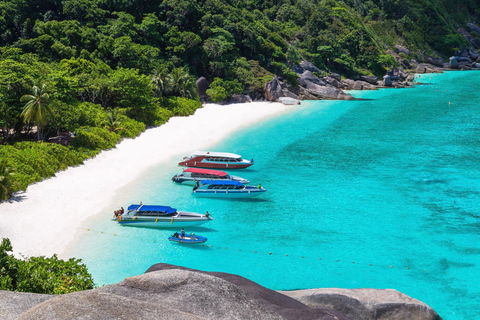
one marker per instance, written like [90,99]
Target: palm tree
[114,120]
[36,107]
[6,175]
[160,80]
[181,83]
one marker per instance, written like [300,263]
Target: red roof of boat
[207,171]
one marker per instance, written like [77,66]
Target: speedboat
[216,160]
[190,176]
[140,215]
[227,189]
[187,238]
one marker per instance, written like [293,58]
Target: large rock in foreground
[13,304]
[171,292]
[363,304]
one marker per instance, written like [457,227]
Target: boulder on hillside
[473,27]
[358,85]
[370,79]
[402,49]
[309,76]
[387,81]
[288,94]
[425,68]
[374,304]
[239,98]
[453,62]
[334,82]
[330,93]
[304,66]
[273,90]
[288,101]
[202,86]
[335,76]
[438,62]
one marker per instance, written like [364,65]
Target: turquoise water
[378,193]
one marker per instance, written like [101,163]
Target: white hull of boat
[229,193]
[162,222]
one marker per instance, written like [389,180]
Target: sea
[381,192]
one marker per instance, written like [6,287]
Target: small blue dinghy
[187,238]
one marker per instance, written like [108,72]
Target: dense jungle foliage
[41,274]
[106,69]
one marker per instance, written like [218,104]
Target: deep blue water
[377,193]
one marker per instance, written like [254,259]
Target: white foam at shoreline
[46,220]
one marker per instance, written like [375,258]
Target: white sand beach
[44,219]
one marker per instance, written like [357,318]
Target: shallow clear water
[378,193]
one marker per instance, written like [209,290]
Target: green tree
[41,274]
[6,176]
[114,119]
[159,79]
[36,107]
[182,84]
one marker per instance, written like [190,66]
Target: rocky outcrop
[273,90]
[172,292]
[453,62]
[366,304]
[288,101]
[370,79]
[14,304]
[239,98]
[202,86]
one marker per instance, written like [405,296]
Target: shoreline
[44,220]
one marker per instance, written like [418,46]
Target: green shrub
[162,115]
[130,128]
[180,106]
[35,161]
[222,89]
[41,274]
[217,94]
[94,139]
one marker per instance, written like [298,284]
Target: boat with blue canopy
[190,176]
[140,215]
[227,189]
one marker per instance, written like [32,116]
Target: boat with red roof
[216,160]
[190,176]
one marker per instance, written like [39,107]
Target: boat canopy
[223,182]
[165,209]
[216,154]
[207,171]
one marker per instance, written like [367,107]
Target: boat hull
[217,165]
[229,193]
[203,161]
[189,181]
[188,240]
[163,222]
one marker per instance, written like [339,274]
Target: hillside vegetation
[107,69]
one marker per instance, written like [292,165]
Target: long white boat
[227,189]
[140,215]
[190,176]
[215,160]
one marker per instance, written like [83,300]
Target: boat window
[210,187]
